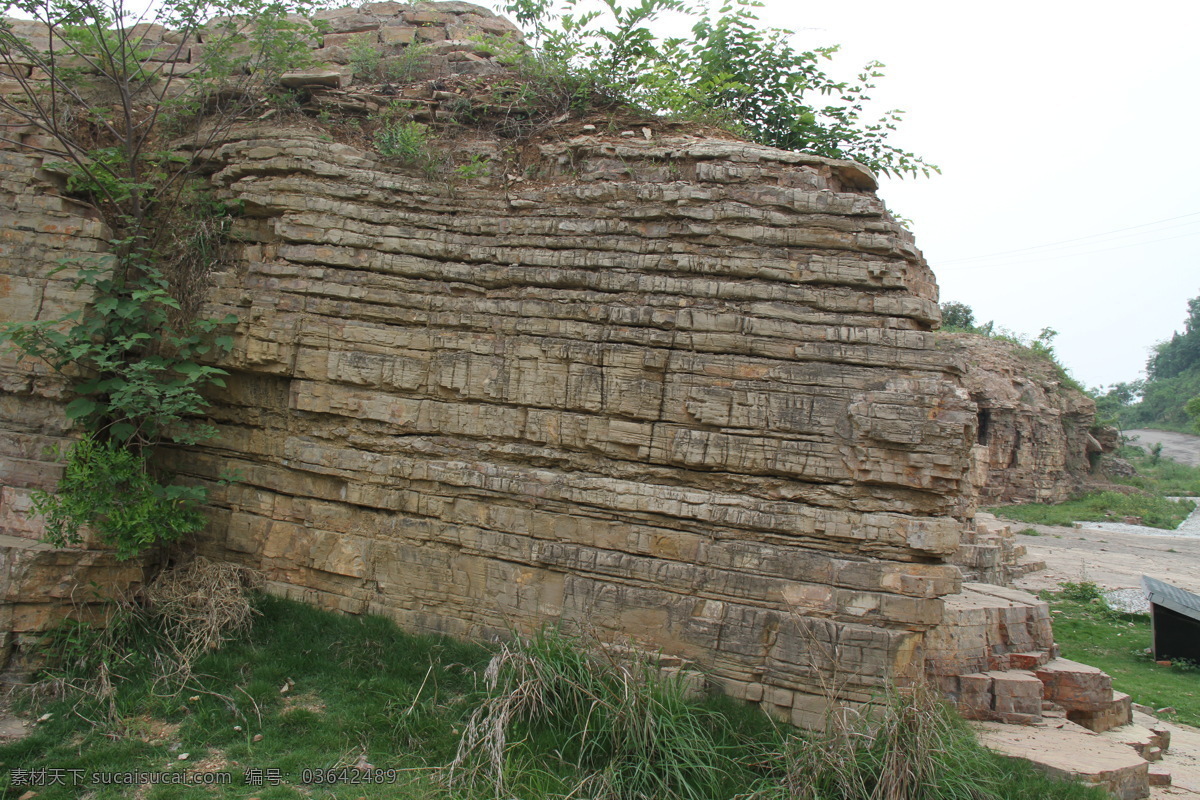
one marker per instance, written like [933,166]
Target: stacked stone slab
[676,389]
[39,585]
[994,654]
[989,553]
[409,41]
[703,412]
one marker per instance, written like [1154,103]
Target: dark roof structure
[1175,617]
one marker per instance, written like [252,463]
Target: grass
[359,688]
[1156,512]
[312,694]
[1088,631]
[1161,476]
[1158,478]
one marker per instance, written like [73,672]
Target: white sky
[1052,121]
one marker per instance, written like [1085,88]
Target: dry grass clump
[911,746]
[159,631]
[196,607]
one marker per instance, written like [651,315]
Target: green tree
[1193,411]
[94,79]
[1181,352]
[957,317]
[1172,379]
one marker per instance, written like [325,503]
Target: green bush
[136,358]
[113,490]
[407,142]
[1083,592]
[1162,477]
[365,57]
[730,70]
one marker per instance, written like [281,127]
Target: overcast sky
[1067,134]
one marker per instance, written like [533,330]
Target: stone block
[396,34]
[1074,686]
[1116,713]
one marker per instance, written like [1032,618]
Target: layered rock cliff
[1034,432]
[670,387]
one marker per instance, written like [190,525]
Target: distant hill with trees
[1172,386]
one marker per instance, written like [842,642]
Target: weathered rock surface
[672,388]
[704,412]
[1033,433]
[988,552]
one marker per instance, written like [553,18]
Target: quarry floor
[1111,559]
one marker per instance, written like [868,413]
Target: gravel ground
[1110,559]
[1130,601]
[1181,447]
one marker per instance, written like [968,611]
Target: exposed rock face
[701,411]
[39,585]
[989,553]
[1033,432]
[675,388]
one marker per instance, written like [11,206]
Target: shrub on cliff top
[731,70]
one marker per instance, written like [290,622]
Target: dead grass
[184,613]
[197,607]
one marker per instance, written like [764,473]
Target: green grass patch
[294,708]
[1161,476]
[1089,632]
[1156,512]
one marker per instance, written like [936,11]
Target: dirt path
[1181,447]
[1111,559]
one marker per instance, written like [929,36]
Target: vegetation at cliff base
[1154,481]
[1159,475]
[1139,509]
[312,703]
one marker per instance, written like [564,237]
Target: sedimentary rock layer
[704,412]
[1034,427]
[669,387]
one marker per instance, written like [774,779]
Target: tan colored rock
[1072,754]
[333,78]
[676,389]
[1033,429]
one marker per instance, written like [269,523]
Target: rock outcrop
[704,412]
[678,389]
[1033,433]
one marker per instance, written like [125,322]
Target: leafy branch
[125,103]
[731,71]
